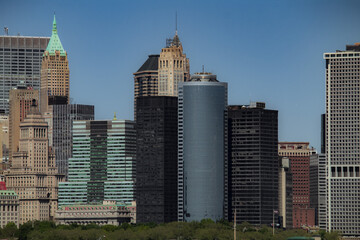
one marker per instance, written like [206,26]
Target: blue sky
[268,51]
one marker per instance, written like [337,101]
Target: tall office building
[33,174]
[156,171]
[20,102]
[299,154]
[20,60]
[146,79]
[285,193]
[63,117]
[342,145]
[254,164]
[173,66]
[102,166]
[54,74]
[202,166]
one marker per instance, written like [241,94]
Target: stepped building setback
[33,174]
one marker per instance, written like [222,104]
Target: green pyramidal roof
[54,43]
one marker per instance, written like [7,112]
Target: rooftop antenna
[203,68]
[176,22]
[6,30]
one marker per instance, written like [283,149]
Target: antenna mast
[176,22]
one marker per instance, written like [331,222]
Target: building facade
[33,174]
[253,159]
[102,166]
[108,213]
[20,102]
[342,145]
[55,87]
[20,60]
[9,208]
[146,79]
[202,149]
[156,169]
[63,117]
[285,193]
[173,67]
[299,154]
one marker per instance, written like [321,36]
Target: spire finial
[176,22]
[54,24]
[114,116]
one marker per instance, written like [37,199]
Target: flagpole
[273,222]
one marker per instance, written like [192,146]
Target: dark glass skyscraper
[63,117]
[202,148]
[156,172]
[253,158]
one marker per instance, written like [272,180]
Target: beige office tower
[54,86]
[20,100]
[174,67]
[342,145]
[4,133]
[33,175]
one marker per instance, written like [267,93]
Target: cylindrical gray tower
[202,108]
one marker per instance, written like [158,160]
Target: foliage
[204,230]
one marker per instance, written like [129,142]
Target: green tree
[10,230]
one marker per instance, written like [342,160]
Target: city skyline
[266,51]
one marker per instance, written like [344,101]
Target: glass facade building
[156,172]
[202,150]
[102,166]
[63,117]
[20,60]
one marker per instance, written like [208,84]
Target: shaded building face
[156,171]
[253,160]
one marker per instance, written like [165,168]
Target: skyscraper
[342,145]
[21,100]
[54,74]
[102,166]
[63,117]
[253,160]
[156,156]
[173,66]
[146,79]
[299,154]
[33,175]
[202,167]
[20,60]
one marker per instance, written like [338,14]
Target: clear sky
[269,51]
